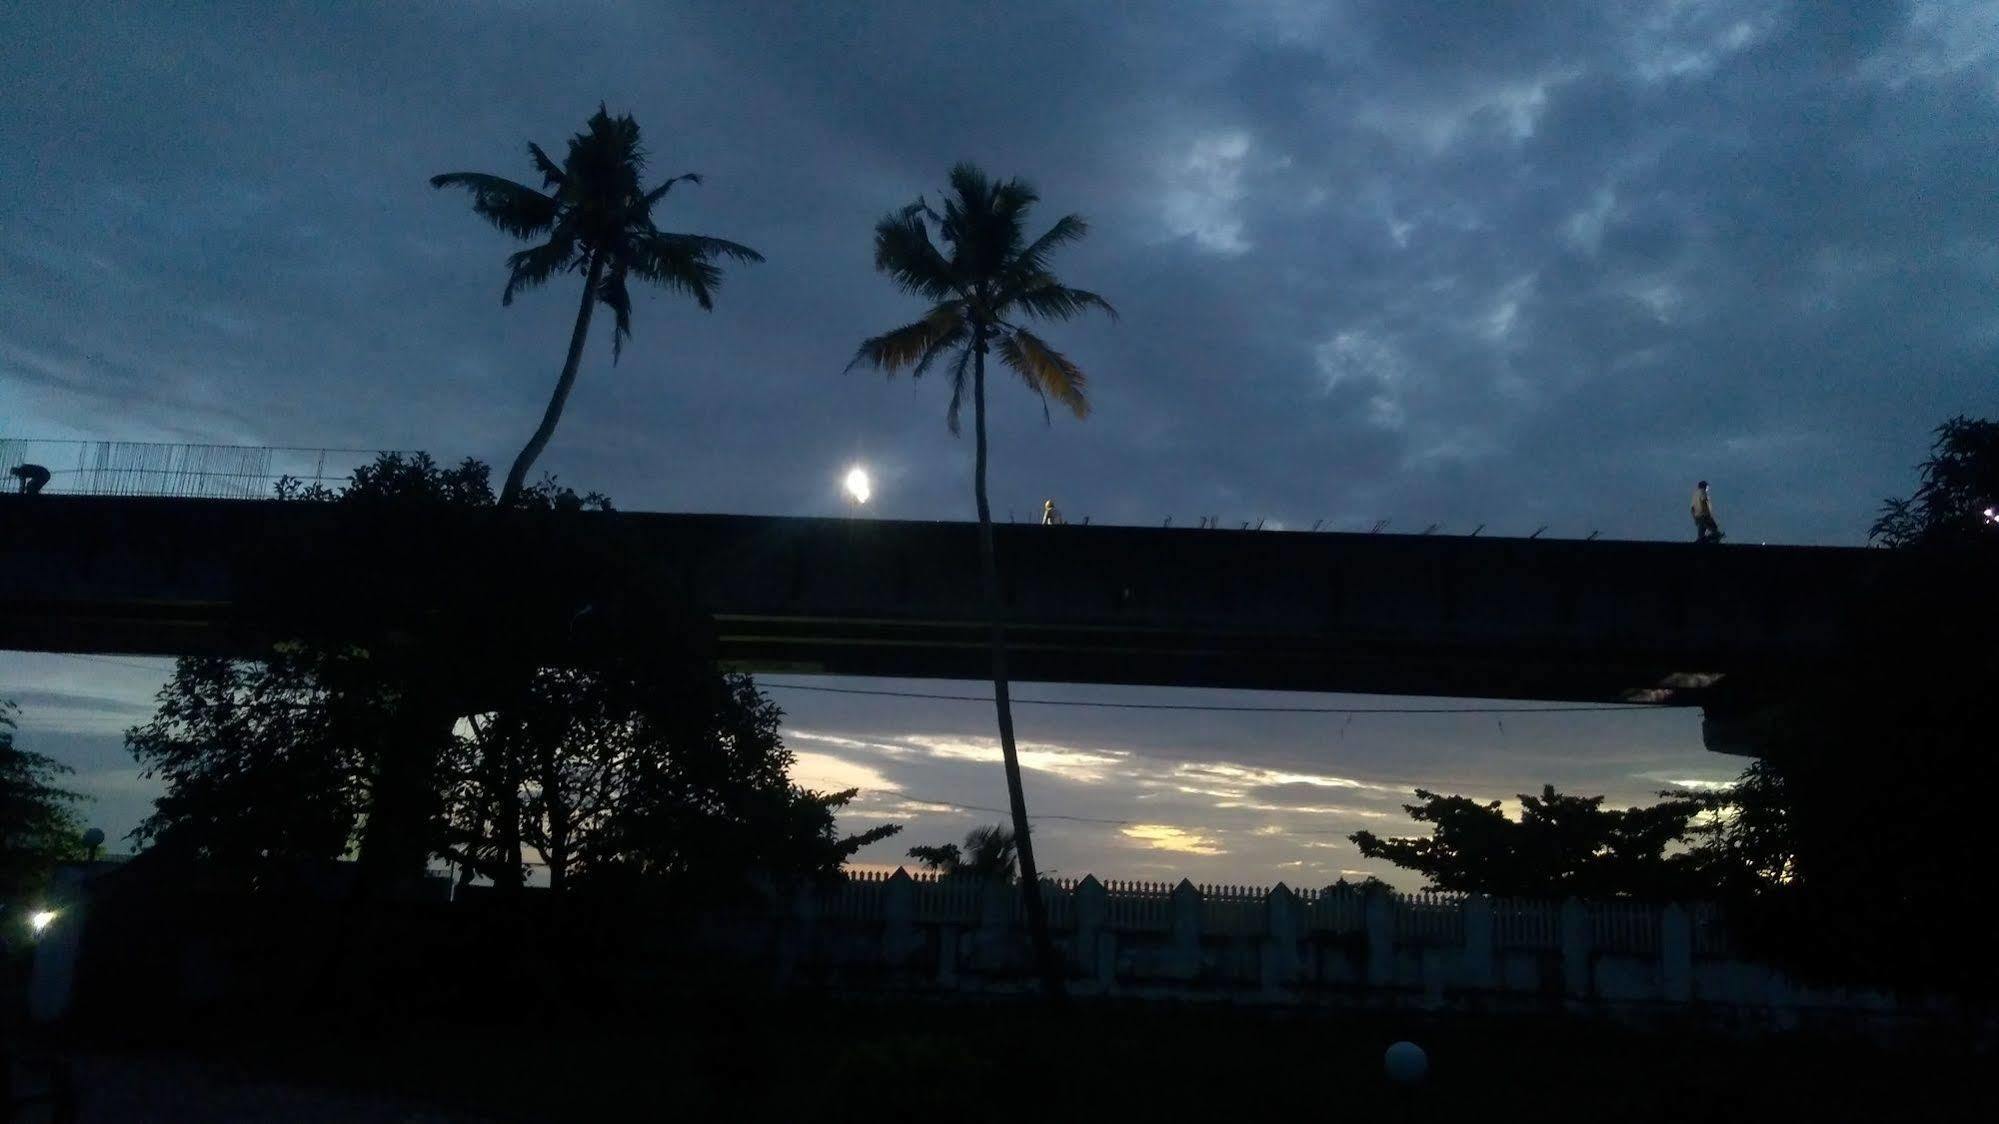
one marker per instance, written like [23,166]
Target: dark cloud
[1513,264]
[85,707]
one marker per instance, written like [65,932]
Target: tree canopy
[38,823]
[990,280]
[1560,846]
[646,768]
[1957,502]
[988,853]
[265,763]
[593,216]
[594,208]
[646,773]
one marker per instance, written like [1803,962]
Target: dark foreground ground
[885,1062]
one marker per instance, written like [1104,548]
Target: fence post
[1096,946]
[796,928]
[898,918]
[1576,972]
[1478,969]
[1676,953]
[1281,967]
[1378,920]
[993,947]
[1186,954]
[947,956]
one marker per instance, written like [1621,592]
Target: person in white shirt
[1049,516]
[1705,528]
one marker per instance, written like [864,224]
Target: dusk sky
[1511,264]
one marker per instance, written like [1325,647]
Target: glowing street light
[40,920]
[857,485]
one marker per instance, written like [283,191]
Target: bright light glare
[857,484]
[41,919]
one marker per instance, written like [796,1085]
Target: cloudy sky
[1513,264]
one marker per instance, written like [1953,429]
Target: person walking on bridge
[1049,516]
[1705,528]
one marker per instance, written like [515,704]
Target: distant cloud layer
[1510,264]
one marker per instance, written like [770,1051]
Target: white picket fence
[1422,919]
[1179,938]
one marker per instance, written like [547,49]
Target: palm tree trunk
[508,875]
[1030,880]
[517,475]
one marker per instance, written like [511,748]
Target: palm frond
[1045,298]
[1046,370]
[1012,199]
[913,345]
[904,252]
[671,262]
[551,173]
[530,267]
[708,248]
[949,320]
[1034,258]
[658,193]
[612,292]
[516,208]
[972,187]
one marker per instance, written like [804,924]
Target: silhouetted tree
[654,766]
[38,825]
[593,216]
[1369,884]
[402,820]
[1560,846]
[980,287]
[988,853]
[1846,850]
[1958,500]
[649,772]
[1743,836]
[265,763]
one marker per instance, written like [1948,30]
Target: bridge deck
[1397,614]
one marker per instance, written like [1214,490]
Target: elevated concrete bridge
[1675,624]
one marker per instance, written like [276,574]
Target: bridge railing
[179,470]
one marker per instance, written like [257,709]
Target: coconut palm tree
[593,216]
[988,855]
[985,279]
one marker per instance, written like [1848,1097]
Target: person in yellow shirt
[1705,528]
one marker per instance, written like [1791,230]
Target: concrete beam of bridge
[1676,624]
[1716,627]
